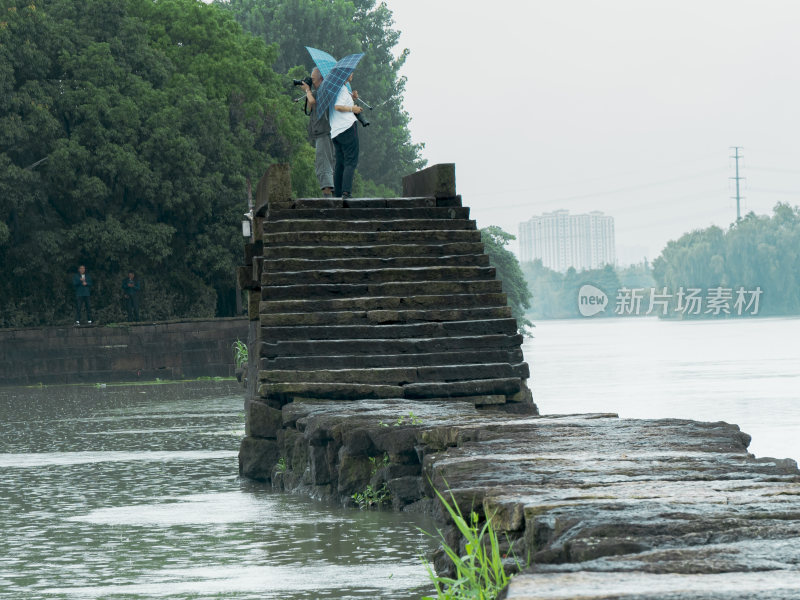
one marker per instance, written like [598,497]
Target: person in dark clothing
[319,132]
[130,288]
[82,282]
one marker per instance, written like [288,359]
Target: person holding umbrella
[334,95]
[344,133]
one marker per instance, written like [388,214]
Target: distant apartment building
[561,240]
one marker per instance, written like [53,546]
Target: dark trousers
[82,300]
[132,306]
[346,146]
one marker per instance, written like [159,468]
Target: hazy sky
[625,106]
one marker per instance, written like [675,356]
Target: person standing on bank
[319,131]
[344,134]
[130,288]
[82,282]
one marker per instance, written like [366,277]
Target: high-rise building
[561,240]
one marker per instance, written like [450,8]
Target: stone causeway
[383,354]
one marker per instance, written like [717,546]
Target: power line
[774,170]
[590,195]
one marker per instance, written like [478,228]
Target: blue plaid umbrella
[334,80]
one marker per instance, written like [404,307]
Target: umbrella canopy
[324,61]
[334,80]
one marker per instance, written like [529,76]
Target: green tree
[127,131]
[546,287]
[342,27]
[555,295]
[503,260]
[756,252]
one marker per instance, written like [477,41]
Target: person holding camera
[344,134]
[319,132]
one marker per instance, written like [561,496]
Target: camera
[362,119]
[306,80]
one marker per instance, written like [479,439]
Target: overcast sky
[629,107]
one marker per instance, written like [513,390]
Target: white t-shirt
[342,121]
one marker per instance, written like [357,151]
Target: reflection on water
[133,493]
[743,371]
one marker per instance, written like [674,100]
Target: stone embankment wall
[591,506]
[169,350]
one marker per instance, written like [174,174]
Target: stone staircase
[383,298]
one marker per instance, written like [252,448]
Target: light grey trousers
[323,162]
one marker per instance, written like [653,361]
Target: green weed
[412,420]
[480,574]
[372,497]
[240,353]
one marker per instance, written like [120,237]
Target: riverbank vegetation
[129,129]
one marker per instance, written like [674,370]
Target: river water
[133,493]
[743,371]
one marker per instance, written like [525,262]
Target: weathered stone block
[253,249]
[274,189]
[257,458]
[253,304]
[262,420]
[354,473]
[438,181]
[320,469]
[405,490]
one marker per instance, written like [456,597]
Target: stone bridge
[372,298]
[384,357]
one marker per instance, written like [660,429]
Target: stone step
[272,349]
[304,264]
[384,303]
[329,225]
[454,389]
[349,214]
[327,252]
[360,361]
[369,238]
[398,375]
[401,289]
[286,392]
[410,202]
[506,326]
[368,276]
[382,316]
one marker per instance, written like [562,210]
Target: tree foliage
[505,262]
[342,27]
[127,131]
[555,295]
[757,252]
